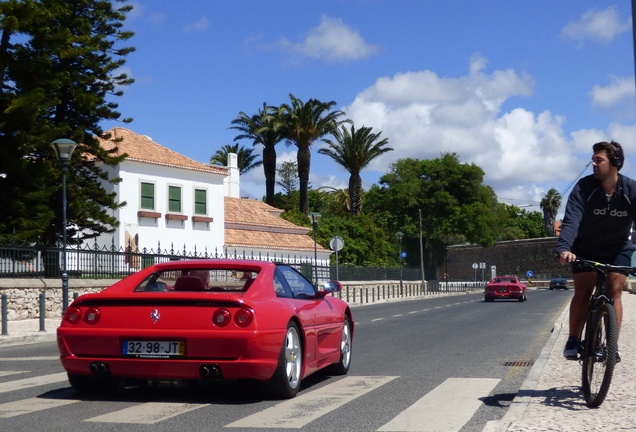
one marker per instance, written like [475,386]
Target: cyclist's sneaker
[571,351]
[618,356]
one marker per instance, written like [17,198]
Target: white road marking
[377,319]
[7,373]
[31,405]
[298,412]
[446,408]
[21,359]
[427,309]
[412,312]
[398,315]
[32,382]
[147,413]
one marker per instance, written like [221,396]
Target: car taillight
[73,315]
[243,317]
[92,316]
[221,317]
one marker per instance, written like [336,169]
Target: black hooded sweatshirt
[595,223]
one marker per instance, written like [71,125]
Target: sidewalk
[551,398]
[28,331]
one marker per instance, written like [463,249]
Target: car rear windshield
[209,280]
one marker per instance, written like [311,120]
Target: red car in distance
[506,287]
[203,320]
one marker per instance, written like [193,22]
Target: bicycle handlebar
[605,267]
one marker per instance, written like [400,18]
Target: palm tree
[301,124]
[244,157]
[340,197]
[550,205]
[260,129]
[353,150]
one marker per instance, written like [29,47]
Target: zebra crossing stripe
[293,414]
[446,408]
[21,359]
[32,382]
[31,405]
[147,413]
[7,373]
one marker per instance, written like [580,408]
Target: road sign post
[336,244]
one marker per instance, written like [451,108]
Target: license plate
[503,289]
[153,349]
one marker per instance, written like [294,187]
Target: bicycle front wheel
[599,356]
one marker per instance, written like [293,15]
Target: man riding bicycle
[597,225]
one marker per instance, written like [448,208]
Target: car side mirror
[330,287]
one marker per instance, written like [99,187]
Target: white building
[174,203]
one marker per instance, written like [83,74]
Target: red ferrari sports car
[506,287]
[201,320]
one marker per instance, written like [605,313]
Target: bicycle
[600,344]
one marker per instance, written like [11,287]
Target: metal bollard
[373,295]
[75,296]
[42,311]
[367,292]
[347,293]
[5,330]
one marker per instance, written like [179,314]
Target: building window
[200,202]
[147,196]
[174,199]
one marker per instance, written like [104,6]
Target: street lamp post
[63,149]
[315,217]
[399,236]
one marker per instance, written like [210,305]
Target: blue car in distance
[558,283]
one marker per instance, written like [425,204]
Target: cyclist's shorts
[623,258]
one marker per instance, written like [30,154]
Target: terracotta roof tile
[253,223]
[141,148]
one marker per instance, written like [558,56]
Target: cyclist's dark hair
[614,152]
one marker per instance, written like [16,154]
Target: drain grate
[519,363]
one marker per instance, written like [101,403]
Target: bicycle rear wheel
[599,356]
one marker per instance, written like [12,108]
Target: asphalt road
[416,365]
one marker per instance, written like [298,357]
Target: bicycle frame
[598,356]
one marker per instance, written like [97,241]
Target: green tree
[353,150]
[522,224]
[301,124]
[550,205]
[60,68]
[262,129]
[339,200]
[454,202]
[288,176]
[245,158]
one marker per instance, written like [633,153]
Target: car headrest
[189,283]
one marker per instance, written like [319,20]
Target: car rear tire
[342,367]
[90,384]
[285,382]
[489,299]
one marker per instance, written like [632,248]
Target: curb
[28,339]
[521,401]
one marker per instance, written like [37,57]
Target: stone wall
[23,295]
[513,257]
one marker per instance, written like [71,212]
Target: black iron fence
[29,260]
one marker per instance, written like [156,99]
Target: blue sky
[521,88]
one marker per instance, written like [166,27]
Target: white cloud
[618,90]
[331,41]
[523,154]
[199,25]
[598,26]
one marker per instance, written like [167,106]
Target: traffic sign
[336,243]
[403,254]
[475,266]
[529,274]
